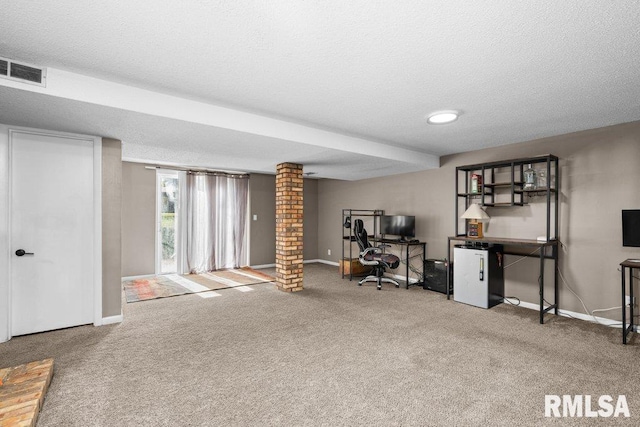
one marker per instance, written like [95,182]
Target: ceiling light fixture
[442,117]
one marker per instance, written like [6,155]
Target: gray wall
[263,231]
[138,219]
[599,176]
[111,225]
[262,236]
[310,219]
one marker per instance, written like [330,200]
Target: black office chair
[372,256]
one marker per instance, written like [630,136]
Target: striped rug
[170,285]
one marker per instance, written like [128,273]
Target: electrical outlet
[627,300]
[328,251]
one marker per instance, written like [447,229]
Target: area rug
[222,279]
[172,285]
[152,288]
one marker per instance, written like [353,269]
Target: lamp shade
[475,212]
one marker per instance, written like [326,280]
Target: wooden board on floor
[22,391]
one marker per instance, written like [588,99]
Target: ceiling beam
[82,88]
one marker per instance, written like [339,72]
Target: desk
[631,264]
[407,259]
[511,247]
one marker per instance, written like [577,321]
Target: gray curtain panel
[216,221]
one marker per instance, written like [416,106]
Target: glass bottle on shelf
[542,179]
[530,179]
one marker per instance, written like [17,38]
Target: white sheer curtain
[181,224]
[214,232]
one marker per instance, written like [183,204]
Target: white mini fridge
[478,275]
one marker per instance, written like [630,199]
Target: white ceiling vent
[19,71]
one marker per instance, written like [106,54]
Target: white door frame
[158,219]
[6,141]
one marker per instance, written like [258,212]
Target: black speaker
[435,276]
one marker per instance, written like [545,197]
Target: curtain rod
[201,171]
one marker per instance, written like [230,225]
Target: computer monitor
[631,227]
[398,225]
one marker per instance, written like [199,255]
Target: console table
[408,244]
[547,250]
[631,264]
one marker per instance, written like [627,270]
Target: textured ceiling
[516,70]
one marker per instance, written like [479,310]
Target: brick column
[289,193]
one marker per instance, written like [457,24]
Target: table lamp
[475,214]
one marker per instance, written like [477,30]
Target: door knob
[21,252]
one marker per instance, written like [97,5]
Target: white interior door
[52,220]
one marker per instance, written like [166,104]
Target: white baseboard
[403,278]
[258,267]
[143,276]
[581,316]
[112,319]
[324,261]
[394,276]
[306,261]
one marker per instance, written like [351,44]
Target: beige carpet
[333,354]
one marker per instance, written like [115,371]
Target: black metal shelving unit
[502,185]
[350,238]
